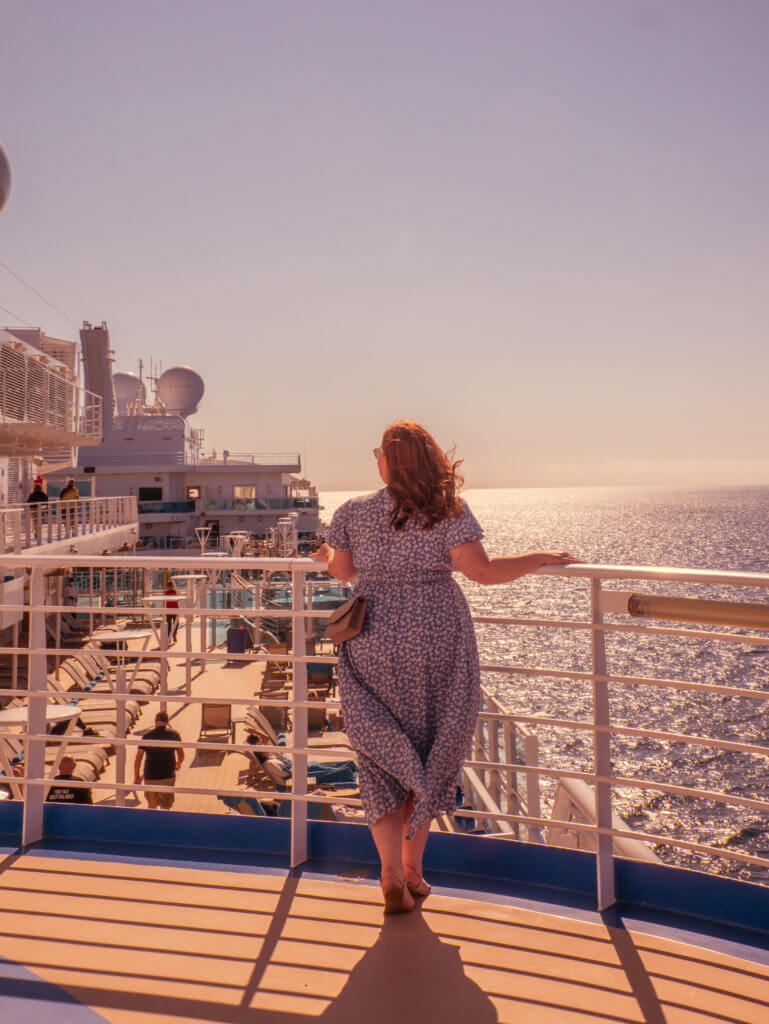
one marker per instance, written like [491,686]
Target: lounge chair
[244,805]
[92,709]
[217,718]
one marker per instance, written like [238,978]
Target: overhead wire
[16,316]
[39,295]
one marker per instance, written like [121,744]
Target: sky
[539,227]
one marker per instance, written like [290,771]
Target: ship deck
[142,939]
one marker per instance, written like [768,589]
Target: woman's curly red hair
[424,481]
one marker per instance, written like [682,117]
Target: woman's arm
[340,564]
[473,562]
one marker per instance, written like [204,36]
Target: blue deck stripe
[550,879]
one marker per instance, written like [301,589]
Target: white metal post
[120,721]
[90,599]
[299,734]
[34,750]
[601,754]
[188,639]
[531,755]
[203,621]
[16,521]
[15,658]
[493,785]
[164,642]
[59,598]
[508,755]
[258,618]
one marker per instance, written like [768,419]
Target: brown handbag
[346,621]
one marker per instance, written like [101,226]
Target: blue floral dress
[410,681]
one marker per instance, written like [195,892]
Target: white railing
[31,526]
[603,826]
[251,458]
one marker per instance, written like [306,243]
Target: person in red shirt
[173,620]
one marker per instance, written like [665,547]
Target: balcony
[164,508]
[284,505]
[285,462]
[87,525]
[40,404]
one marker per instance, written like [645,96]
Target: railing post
[510,781]
[120,722]
[299,734]
[188,618]
[59,602]
[493,785]
[34,750]
[601,754]
[164,643]
[15,657]
[16,532]
[203,624]
[90,599]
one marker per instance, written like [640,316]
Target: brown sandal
[420,888]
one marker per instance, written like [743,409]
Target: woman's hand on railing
[557,558]
[322,554]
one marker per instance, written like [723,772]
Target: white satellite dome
[180,389]
[5,178]
[128,389]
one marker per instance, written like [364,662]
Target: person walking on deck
[68,498]
[410,682]
[172,606]
[37,499]
[162,763]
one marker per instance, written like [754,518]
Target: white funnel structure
[180,389]
[128,390]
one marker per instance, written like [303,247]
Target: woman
[410,681]
[172,620]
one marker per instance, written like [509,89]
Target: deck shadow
[410,974]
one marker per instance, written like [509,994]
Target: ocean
[724,529]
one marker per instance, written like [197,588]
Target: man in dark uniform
[68,794]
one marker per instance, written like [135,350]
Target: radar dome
[128,389]
[5,178]
[180,389]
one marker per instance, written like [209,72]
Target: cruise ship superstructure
[151,452]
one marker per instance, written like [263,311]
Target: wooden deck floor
[143,943]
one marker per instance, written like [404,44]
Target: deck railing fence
[31,526]
[505,748]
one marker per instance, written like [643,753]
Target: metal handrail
[599,724]
[34,525]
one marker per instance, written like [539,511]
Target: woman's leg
[388,836]
[412,851]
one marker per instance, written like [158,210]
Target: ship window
[193,493]
[243,491]
[150,494]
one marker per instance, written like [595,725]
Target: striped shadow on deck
[140,942]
